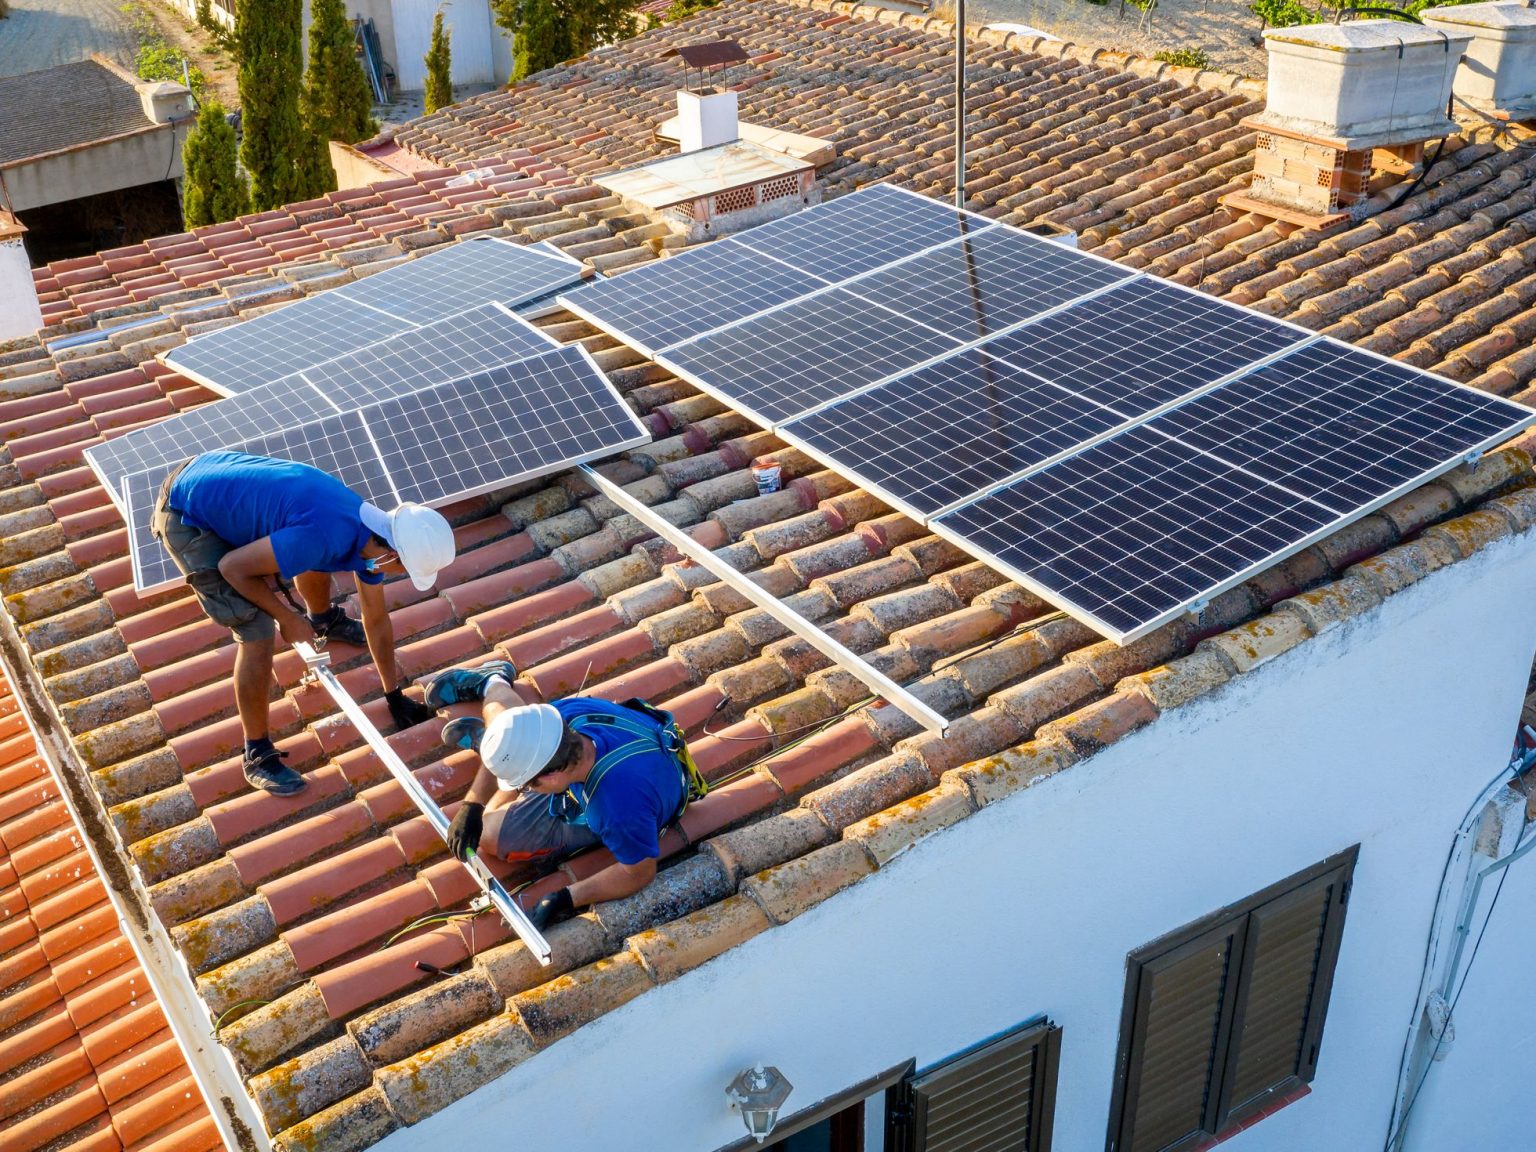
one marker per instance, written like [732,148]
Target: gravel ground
[43,33]
[1223,29]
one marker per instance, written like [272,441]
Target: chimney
[706,112]
[19,311]
[1497,77]
[1345,99]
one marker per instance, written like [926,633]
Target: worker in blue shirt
[232,522]
[557,778]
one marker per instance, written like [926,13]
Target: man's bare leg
[314,590]
[253,685]
[499,696]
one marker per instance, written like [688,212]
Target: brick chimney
[19,311]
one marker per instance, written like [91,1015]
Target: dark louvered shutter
[1291,942]
[998,1098]
[1183,1006]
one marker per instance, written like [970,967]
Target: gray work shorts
[197,553]
[526,831]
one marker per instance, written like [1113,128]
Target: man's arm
[380,632]
[246,568]
[613,882]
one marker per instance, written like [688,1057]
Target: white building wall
[472,29]
[1381,732]
[20,314]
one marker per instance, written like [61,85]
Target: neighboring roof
[59,108]
[86,1059]
[294,903]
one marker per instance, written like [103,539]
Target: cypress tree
[278,150]
[550,32]
[439,62]
[213,190]
[337,100]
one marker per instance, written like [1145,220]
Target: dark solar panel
[786,362]
[1143,344]
[971,288]
[460,276]
[944,432]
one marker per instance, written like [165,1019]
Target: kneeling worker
[593,772]
[233,521]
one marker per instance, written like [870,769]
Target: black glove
[405,712]
[464,832]
[556,906]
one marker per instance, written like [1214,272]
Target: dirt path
[197,46]
[1223,29]
[44,33]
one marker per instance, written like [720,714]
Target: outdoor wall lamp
[759,1092]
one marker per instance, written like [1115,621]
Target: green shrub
[1184,58]
[159,61]
[439,62]
[1283,13]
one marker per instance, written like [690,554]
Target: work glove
[405,712]
[552,908]
[464,832]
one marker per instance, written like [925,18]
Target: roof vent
[1345,99]
[706,112]
[1497,76]
[20,314]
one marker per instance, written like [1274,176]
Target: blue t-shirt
[637,797]
[311,516]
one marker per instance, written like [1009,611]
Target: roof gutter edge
[233,1111]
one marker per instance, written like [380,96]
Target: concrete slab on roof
[798,145]
[693,175]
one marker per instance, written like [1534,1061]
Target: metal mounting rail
[319,665]
[875,680]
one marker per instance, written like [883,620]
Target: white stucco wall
[472,29]
[20,314]
[1381,732]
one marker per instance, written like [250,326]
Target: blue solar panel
[786,362]
[1143,344]
[942,433]
[461,276]
[972,288]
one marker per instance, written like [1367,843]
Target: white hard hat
[423,541]
[520,742]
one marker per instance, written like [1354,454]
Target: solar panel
[153,567]
[975,287]
[522,420]
[944,432]
[783,363]
[1143,344]
[328,324]
[665,303]
[449,349]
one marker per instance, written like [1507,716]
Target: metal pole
[319,663]
[960,104]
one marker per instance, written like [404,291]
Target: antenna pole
[960,104]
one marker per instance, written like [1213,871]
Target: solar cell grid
[520,420]
[1134,529]
[461,276]
[1340,426]
[152,565]
[974,287]
[941,433]
[339,445]
[1143,344]
[786,362]
[665,303]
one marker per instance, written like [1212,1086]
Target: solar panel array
[1125,447]
[320,327]
[434,445]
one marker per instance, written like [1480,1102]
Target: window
[1225,1016]
[998,1097]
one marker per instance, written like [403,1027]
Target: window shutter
[997,1099]
[1183,1006]
[1279,1016]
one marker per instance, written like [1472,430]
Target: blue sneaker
[464,732]
[460,684]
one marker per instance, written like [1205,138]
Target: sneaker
[337,625]
[459,684]
[267,772]
[464,732]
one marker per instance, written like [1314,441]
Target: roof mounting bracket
[1473,459]
[876,681]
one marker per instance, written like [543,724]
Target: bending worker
[562,777]
[232,521]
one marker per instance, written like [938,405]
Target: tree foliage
[282,155]
[550,32]
[439,62]
[337,101]
[213,190]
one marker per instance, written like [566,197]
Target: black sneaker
[337,625]
[267,772]
[464,732]
[460,684]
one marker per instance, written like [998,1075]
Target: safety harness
[649,729]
